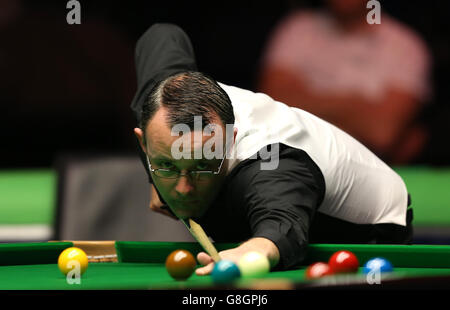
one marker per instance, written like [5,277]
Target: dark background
[67,88]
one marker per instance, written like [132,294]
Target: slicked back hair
[185,95]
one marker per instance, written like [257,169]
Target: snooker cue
[199,234]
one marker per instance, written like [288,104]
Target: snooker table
[29,201]
[140,265]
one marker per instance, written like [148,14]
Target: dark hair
[185,95]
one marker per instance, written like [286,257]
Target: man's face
[185,196]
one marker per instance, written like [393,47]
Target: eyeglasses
[196,175]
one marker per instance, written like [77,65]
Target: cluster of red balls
[339,263]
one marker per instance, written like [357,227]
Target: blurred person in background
[371,80]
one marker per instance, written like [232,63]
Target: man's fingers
[202,271]
[162,211]
[207,262]
[204,259]
[169,212]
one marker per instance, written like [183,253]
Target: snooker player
[282,178]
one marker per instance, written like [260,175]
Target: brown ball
[180,264]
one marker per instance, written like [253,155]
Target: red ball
[344,262]
[318,270]
[180,264]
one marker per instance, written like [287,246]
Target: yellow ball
[68,260]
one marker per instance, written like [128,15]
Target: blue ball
[378,264]
[225,272]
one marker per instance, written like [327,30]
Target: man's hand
[262,245]
[156,204]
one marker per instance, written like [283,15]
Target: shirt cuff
[292,250]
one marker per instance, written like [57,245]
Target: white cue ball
[253,264]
